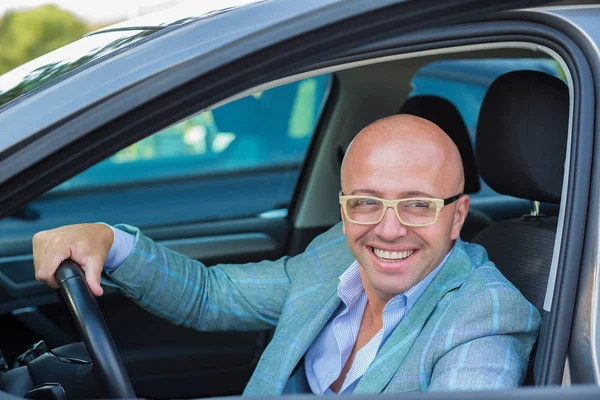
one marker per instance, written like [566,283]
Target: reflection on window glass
[49,67]
[270,129]
[302,120]
[184,139]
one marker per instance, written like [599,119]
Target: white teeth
[395,255]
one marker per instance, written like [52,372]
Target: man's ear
[460,214]
[343,222]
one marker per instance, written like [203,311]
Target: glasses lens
[420,211]
[364,209]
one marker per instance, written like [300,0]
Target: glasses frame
[393,204]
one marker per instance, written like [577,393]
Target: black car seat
[445,115]
[520,150]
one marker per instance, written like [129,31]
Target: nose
[390,228]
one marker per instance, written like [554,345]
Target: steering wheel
[93,329]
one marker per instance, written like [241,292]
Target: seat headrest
[522,135]
[445,115]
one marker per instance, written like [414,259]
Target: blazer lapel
[290,343]
[295,334]
[391,355]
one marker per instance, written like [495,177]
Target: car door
[185,236]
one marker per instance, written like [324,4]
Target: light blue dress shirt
[328,354]
[119,251]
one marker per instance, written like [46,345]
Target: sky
[96,11]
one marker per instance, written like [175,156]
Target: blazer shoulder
[328,238]
[331,242]
[328,252]
[486,278]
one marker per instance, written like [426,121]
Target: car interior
[517,152]
[520,151]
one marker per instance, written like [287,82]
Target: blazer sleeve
[186,292]
[489,343]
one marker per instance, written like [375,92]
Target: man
[391,301]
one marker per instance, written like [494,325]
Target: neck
[376,303]
[373,315]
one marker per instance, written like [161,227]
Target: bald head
[407,148]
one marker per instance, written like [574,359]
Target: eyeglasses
[417,211]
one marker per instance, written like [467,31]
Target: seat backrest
[522,250]
[445,115]
[520,150]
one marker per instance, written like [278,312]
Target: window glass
[465,82]
[268,130]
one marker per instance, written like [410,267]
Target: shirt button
[329,374]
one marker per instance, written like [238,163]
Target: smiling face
[398,157]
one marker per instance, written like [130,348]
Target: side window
[465,82]
[240,160]
[268,130]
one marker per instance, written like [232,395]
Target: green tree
[25,35]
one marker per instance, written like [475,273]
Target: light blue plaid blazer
[471,329]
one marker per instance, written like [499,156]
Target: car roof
[179,14]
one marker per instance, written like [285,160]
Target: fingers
[84,244]
[93,274]
[93,282]
[49,267]
[47,256]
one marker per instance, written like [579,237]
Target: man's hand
[86,244]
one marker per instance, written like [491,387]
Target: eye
[363,203]
[367,202]
[419,204]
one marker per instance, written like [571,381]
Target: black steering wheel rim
[93,329]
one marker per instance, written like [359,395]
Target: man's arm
[173,286]
[234,297]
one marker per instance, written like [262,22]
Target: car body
[221,136]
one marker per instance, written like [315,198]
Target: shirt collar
[351,287]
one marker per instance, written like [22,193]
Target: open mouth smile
[391,256]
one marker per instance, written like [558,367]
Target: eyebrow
[410,193]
